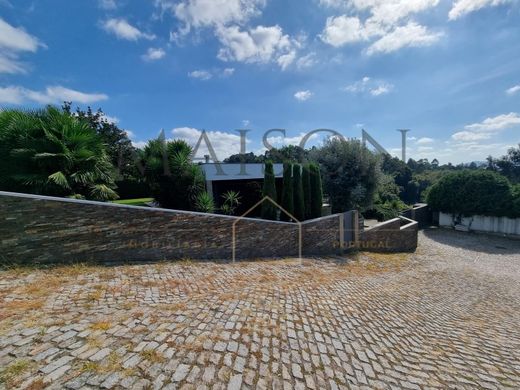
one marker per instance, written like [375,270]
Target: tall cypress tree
[316,191]
[299,203]
[306,183]
[287,192]
[268,208]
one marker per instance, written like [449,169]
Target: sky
[448,70]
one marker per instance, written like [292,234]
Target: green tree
[118,145]
[50,152]
[306,182]
[316,191]
[287,192]
[350,174]
[299,201]
[175,181]
[269,189]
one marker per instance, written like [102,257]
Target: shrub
[306,183]
[299,204]
[516,201]
[231,202]
[472,193]
[268,208]
[204,203]
[175,181]
[287,192]
[316,191]
[50,152]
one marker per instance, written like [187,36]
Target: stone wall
[40,229]
[395,235]
[322,236]
[46,229]
[421,213]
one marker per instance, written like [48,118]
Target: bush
[316,191]
[306,183]
[287,192]
[268,208]
[132,188]
[516,201]
[350,174]
[299,202]
[472,193]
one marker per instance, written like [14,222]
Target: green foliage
[287,192]
[118,146]
[306,183]
[50,152]
[350,174]
[174,180]
[472,193]
[516,201]
[316,191]
[231,202]
[508,165]
[289,153]
[299,202]
[268,208]
[204,203]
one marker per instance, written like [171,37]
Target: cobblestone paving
[447,316]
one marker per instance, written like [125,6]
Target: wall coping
[153,209]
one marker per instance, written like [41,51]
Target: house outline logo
[266,198]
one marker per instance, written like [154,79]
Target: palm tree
[175,181]
[50,152]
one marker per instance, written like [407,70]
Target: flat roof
[221,171]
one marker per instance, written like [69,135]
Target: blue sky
[449,70]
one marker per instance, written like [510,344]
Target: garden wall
[42,229]
[394,235]
[481,223]
[421,213]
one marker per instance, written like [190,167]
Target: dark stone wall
[45,229]
[390,236]
[322,235]
[39,229]
[420,213]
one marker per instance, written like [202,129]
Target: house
[247,179]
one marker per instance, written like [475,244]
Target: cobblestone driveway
[445,317]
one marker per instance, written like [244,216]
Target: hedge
[475,193]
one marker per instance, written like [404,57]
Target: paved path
[445,317]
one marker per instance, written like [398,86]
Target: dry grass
[152,356]
[101,325]
[11,374]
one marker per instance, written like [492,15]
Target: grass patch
[134,202]
[10,374]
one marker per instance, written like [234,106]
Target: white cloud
[124,30]
[463,7]
[425,140]
[341,30]
[200,74]
[370,86]
[246,122]
[154,54]
[279,141]
[496,123]
[211,13]
[227,72]
[257,45]
[488,128]
[383,22]
[107,4]
[411,35]
[306,61]
[224,144]
[15,40]
[51,95]
[513,90]
[303,95]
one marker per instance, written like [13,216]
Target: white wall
[483,224]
